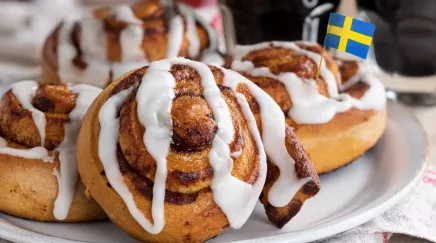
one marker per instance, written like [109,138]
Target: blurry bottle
[263,20]
[405,36]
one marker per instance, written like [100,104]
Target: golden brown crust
[154,43]
[342,146]
[16,124]
[191,214]
[280,216]
[29,187]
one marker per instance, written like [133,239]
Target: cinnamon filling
[17,124]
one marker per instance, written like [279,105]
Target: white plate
[349,197]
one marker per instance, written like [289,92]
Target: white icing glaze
[191,31]
[246,202]
[154,101]
[273,130]
[308,105]
[93,41]
[346,84]
[107,151]
[68,175]
[212,58]
[94,49]
[175,36]
[325,73]
[236,154]
[131,36]
[33,153]
[96,73]
[94,45]
[224,185]
[24,92]
[154,106]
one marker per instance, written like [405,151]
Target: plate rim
[358,218]
[12,232]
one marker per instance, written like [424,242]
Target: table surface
[427,116]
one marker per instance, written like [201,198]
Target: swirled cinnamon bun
[177,152]
[108,42]
[337,119]
[39,126]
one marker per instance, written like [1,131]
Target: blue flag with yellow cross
[349,35]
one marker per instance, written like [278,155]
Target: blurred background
[403,49]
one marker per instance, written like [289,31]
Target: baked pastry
[38,169]
[108,42]
[336,119]
[178,144]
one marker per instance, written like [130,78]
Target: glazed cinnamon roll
[337,119]
[39,126]
[108,42]
[177,152]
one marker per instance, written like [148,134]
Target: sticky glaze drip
[131,36]
[191,32]
[156,99]
[308,105]
[96,73]
[68,174]
[274,128]
[33,153]
[175,37]
[67,177]
[154,105]
[24,92]
[209,56]
[93,44]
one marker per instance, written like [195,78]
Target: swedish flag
[350,35]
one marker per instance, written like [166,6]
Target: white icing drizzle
[325,73]
[96,73]
[247,200]
[308,105]
[67,178]
[273,130]
[24,92]
[212,58]
[94,45]
[131,36]
[346,84]
[236,154]
[68,175]
[154,106]
[156,99]
[191,30]
[33,153]
[175,36]
[209,56]
[93,42]
[94,49]
[107,151]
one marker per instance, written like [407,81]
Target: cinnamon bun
[108,42]
[337,117]
[177,152]
[39,126]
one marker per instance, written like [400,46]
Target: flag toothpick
[320,63]
[349,35]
